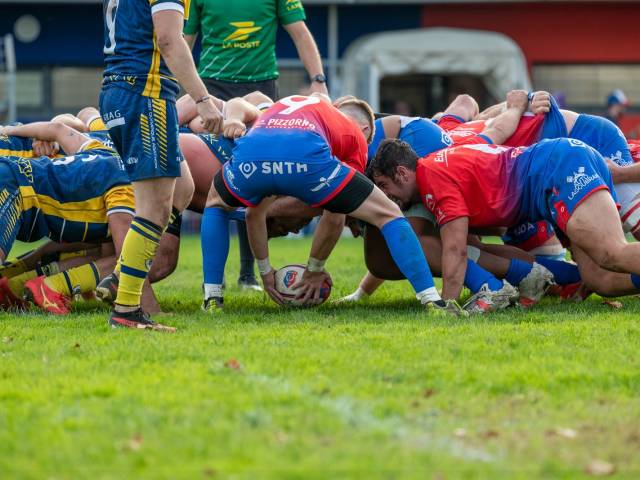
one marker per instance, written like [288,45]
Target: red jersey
[475,181]
[634,149]
[527,133]
[343,136]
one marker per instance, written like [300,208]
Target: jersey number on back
[110,19]
[294,104]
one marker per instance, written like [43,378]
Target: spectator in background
[239,57]
[617,103]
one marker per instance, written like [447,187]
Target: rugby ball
[287,277]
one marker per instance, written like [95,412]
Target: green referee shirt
[239,36]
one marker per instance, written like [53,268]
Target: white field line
[359,415]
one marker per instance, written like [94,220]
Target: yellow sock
[75,280]
[16,284]
[138,250]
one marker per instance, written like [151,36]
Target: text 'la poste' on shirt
[239,37]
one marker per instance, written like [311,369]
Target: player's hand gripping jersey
[530,129]
[501,186]
[67,199]
[301,146]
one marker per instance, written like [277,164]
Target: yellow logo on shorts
[242,33]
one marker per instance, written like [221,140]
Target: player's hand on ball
[234,129]
[212,120]
[541,102]
[269,284]
[310,286]
[518,99]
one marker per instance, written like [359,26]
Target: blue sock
[635,279]
[477,276]
[407,253]
[564,273]
[517,271]
[214,238]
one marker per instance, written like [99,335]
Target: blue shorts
[144,131]
[10,209]
[604,136]
[289,162]
[562,173]
[529,236]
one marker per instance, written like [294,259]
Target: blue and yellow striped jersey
[69,199]
[132,56]
[16,146]
[222,147]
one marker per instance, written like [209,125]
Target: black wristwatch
[320,78]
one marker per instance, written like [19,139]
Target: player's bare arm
[239,114]
[505,124]
[324,241]
[454,256]
[256,219]
[308,53]
[175,51]
[626,174]
[68,138]
[187,108]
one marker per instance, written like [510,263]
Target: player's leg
[378,210]
[488,291]
[13,289]
[145,133]
[55,293]
[247,278]
[604,282]
[595,228]
[214,238]
[166,258]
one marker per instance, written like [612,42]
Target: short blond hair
[361,111]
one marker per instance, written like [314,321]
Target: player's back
[486,176]
[16,146]
[132,56]
[297,117]
[65,198]
[527,132]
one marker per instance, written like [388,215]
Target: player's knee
[183,194]
[610,257]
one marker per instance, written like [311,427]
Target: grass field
[380,390]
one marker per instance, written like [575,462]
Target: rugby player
[137,104]
[67,139]
[306,148]
[79,198]
[563,181]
